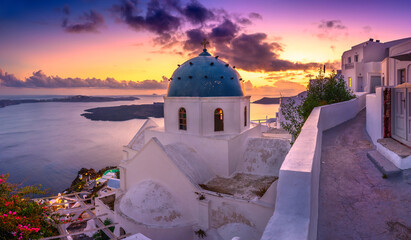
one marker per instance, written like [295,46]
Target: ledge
[296,211]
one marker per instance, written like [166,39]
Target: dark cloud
[255,15]
[224,32]
[41,80]
[66,9]
[156,20]
[88,22]
[252,52]
[331,24]
[194,38]
[331,30]
[196,13]
[244,21]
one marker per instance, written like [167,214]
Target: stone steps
[384,165]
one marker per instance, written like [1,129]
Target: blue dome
[205,76]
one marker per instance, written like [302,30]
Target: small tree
[294,121]
[321,91]
[324,91]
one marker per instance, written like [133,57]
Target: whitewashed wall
[200,114]
[296,211]
[233,210]
[374,117]
[222,153]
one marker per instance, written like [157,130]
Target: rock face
[125,112]
[267,100]
[78,98]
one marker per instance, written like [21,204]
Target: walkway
[355,201]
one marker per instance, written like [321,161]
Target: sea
[48,143]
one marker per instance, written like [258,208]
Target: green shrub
[320,91]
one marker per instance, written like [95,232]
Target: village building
[362,65]
[384,70]
[206,170]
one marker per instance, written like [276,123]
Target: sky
[133,47]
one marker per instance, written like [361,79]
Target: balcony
[349,65]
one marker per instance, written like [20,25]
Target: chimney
[371,39]
[377,40]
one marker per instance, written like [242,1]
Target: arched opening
[122,232]
[245,116]
[218,120]
[182,119]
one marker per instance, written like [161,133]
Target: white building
[204,169]
[361,65]
[384,70]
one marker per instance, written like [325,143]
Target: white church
[205,172]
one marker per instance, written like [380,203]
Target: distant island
[125,112]
[267,100]
[78,98]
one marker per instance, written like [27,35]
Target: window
[182,119]
[245,116]
[349,59]
[218,120]
[356,58]
[401,76]
[349,82]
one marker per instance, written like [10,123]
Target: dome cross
[205,43]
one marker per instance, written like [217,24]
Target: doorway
[360,84]
[375,82]
[402,115]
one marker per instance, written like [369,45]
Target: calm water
[47,143]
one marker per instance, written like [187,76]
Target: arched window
[218,120]
[182,119]
[245,116]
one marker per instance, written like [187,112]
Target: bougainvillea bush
[22,218]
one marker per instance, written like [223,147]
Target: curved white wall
[296,211]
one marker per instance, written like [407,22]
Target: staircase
[386,167]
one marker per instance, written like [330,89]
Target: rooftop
[205,76]
[243,185]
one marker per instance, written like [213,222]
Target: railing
[349,65]
[267,121]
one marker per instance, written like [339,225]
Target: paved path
[355,201]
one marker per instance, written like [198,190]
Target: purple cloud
[88,22]
[41,80]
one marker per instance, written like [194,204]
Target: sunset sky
[64,47]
